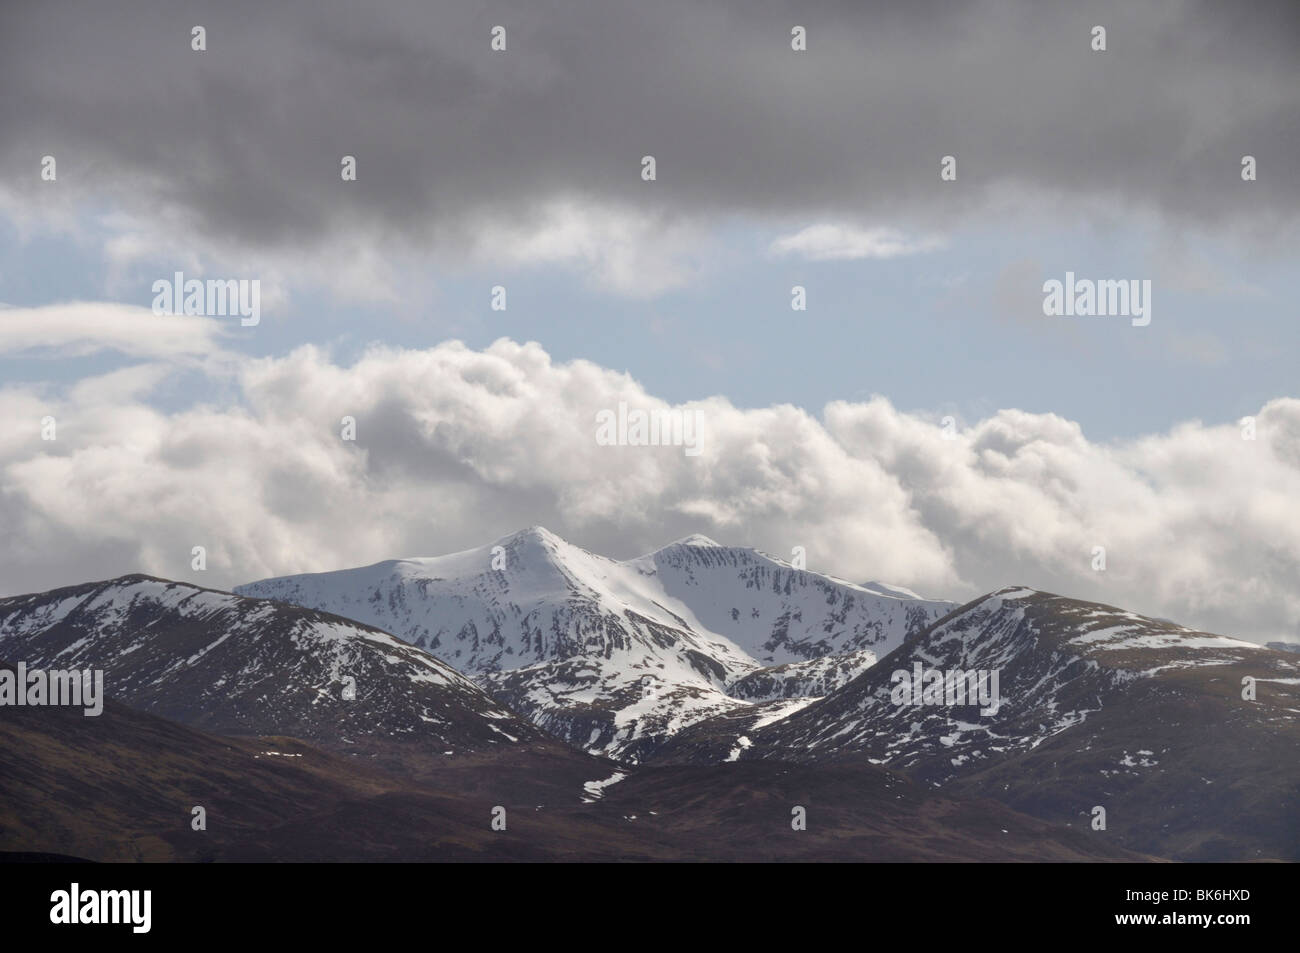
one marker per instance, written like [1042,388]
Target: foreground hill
[123,786]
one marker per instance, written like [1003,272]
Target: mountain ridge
[222,662]
[611,655]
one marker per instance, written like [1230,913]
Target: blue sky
[948,331]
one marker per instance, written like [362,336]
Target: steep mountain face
[614,656]
[777,614]
[236,665]
[811,679]
[1057,661]
[1095,706]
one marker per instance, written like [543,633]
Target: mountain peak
[696,539]
[612,655]
[537,542]
[534,532]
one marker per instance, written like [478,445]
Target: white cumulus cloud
[457,446]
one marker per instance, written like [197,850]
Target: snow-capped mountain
[613,655]
[1188,740]
[1057,661]
[1094,706]
[232,664]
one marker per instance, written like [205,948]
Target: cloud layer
[455,447]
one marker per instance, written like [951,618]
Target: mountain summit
[613,655]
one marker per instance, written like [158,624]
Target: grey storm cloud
[242,142]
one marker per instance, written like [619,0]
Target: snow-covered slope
[811,679]
[231,664]
[778,614]
[612,655]
[1058,661]
[1158,724]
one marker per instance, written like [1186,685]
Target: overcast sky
[774,168]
